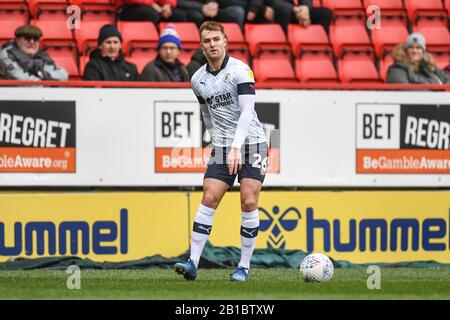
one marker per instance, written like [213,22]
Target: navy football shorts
[254,164]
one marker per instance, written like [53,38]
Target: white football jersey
[219,91]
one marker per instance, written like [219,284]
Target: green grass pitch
[283,284]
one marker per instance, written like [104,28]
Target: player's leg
[250,189]
[251,177]
[213,191]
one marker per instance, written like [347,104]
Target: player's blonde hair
[212,26]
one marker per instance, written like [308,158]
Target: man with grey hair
[24,59]
[414,65]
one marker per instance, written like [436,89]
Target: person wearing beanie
[414,65]
[24,60]
[107,62]
[166,67]
[150,10]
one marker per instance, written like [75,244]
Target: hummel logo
[249,233]
[204,228]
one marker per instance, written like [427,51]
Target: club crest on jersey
[250,73]
[226,77]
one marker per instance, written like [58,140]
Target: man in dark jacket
[166,67]
[107,63]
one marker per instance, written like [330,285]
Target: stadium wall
[393,145]
[357,226]
[154,137]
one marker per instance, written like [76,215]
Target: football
[316,267]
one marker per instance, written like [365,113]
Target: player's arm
[246,99]
[205,112]
[247,106]
[207,118]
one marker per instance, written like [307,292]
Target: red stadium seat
[140,62]
[267,38]
[52,9]
[8,29]
[145,53]
[236,42]
[315,68]
[349,38]
[96,10]
[313,38]
[137,35]
[392,12]
[384,66]
[83,62]
[67,62]
[317,3]
[437,38]
[346,8]
[86,37]
[241,55]
[358,68]
[442,59]
[185,56]
[234,36]
[385,5]
[55,33]
[271,70]
[14,11]
[386,38]
[447,6]
[418,9]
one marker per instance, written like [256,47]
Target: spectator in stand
[197,60]
[447,70]
[222,10]
[107,62]
[301,12]
[414,65]
[25,61]
[166,67]
[3,70]
[260,11]
[150,10]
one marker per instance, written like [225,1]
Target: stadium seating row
[415,9]
[272,54]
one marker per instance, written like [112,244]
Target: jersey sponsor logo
[403,139]
[220,100]
[37,136]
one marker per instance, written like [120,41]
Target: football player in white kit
[225,89]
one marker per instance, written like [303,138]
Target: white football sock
[249,231]
[202,228]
